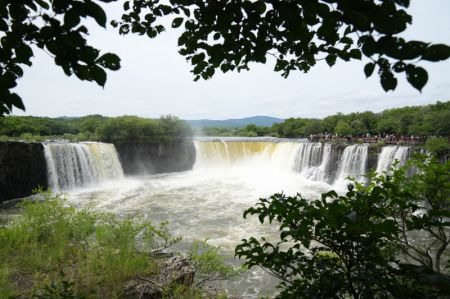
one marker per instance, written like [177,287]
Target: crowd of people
[368,138]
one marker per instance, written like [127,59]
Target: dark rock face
[374,152]
[22,168]
[150,157]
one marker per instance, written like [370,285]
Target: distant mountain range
[262,121]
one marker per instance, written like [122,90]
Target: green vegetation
[247,131]
[96,251]
[226,36]
[92,127]
[389,239]
[426,120]
[209,264]
[438,146]
[52,250]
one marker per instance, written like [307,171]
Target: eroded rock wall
[22,168]
[159,156]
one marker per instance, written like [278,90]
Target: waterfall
[389,154]
[324,162]
[322,172]
[71,165]
[353,163]
[226,153]
[309,154]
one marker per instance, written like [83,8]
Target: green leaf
[126,5]
[346,40]
[71,18]
[110,61]
[436,52]
[355,53]
[196,59]
[177,22]
[16,101]
[186,11]
[280,65]
[43,4]
[368,69]
[95,11]
[388,81]
[99,75]
[23,53]
[416,76]
[331,59]
[260,7]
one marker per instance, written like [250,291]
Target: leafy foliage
[93,127]
[209,264]
[230,35]
[55,27]
[437,145]
[97,251]
[384,240]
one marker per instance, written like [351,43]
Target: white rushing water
[389,154]
[71,165]
[229,176]
[353,162]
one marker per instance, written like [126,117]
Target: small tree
[383,240]
[209,264]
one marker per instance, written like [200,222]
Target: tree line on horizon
[429,120]
[92,127]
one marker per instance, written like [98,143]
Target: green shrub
[97,251]
[388,239]
[209,264]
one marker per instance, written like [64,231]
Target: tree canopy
[93,127]
[426,120]
[227,35]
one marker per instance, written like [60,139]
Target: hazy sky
[155,80]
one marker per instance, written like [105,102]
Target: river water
[208,201]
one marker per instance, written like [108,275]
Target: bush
[387,239]
[209,264]
[97,251]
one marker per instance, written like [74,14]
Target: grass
[96,251]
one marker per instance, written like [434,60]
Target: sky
[155,80]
